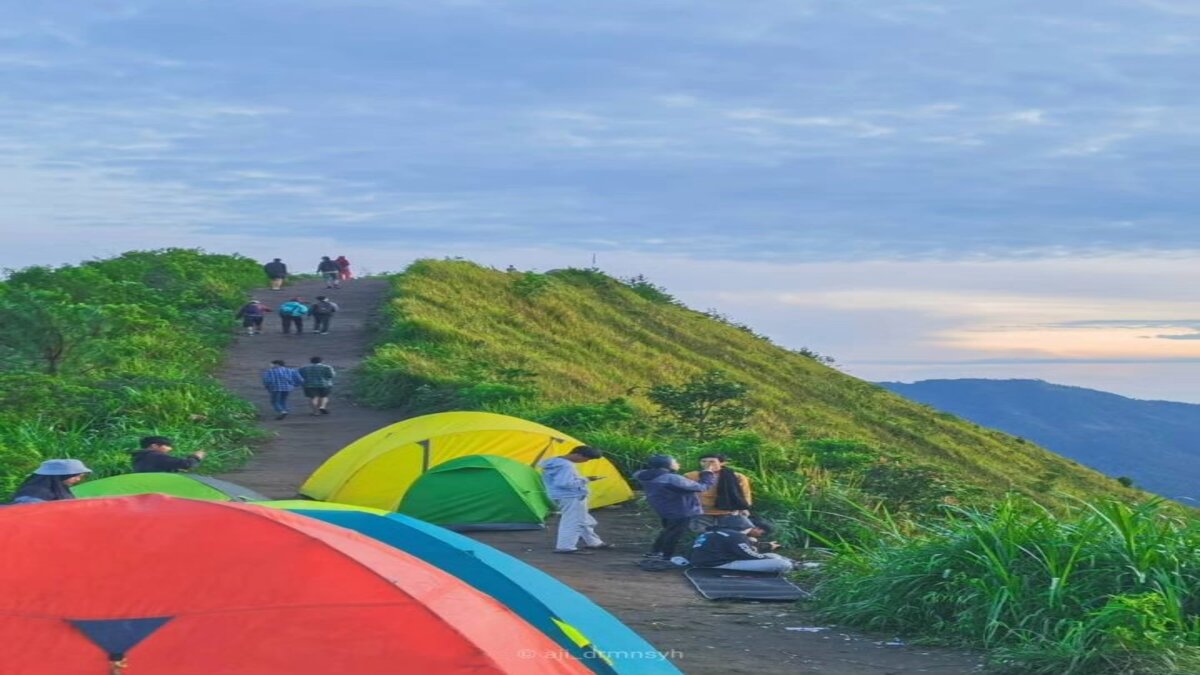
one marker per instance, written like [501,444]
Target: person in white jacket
[569,490]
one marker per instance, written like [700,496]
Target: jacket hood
[650,474]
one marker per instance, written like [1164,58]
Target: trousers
[575,523]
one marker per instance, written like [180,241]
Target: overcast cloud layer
[706,144]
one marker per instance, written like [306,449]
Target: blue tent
[581,626]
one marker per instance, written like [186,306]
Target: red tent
[166,586]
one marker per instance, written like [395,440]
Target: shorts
[252,322]
[317,392]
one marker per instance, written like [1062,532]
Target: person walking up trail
[330,272]
[343,268]
[252,314]
[292,313]
[322,313]
[51,481]
[154,457]
[318,384]
[569,489]
[279,381]
[276,272]
[674,498]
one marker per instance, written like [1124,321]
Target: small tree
[45,331]
[706,407]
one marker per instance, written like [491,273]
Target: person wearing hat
[731,496]
[155,457]
[729,546]
[51,481]
[569,490]
[674,498]
[252,314]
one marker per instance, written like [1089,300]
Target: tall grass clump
[1109,588]
[96,355]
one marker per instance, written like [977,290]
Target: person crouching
[730,545]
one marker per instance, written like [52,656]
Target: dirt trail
[701,637]
[302,442]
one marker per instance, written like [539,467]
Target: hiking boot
[281,416]
[324,411]
[572,551]
[600,547]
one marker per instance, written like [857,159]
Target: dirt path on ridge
[701,637]
[302,442]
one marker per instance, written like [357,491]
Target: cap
[739,523]
[62,467]
[659,461]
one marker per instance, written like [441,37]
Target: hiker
[330,272]
[252,314]
[729,497]
[322,312]
[51,481]
[729,546]
[674,498]
[318,384]
[155,457]
[569,490]
[343,268]
[292,313]
[276,272]
[279,381]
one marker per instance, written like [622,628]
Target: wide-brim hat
[62,467]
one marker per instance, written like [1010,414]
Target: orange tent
[169,586]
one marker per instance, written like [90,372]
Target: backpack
[293,309]
[324,308]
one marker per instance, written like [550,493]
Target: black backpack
[324,308]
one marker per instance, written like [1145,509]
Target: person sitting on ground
[569,490]
[674,498]
[154,457]
[731,495]
[318,384]
[276,273]
[329,271]
[343,264]
[292,313]
[252,314]
[51,481]
[322,313]
[729,546]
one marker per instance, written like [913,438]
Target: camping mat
[715,584]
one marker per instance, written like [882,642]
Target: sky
[915,188]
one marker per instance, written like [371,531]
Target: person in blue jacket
[674,498]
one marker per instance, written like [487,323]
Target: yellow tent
[377,469]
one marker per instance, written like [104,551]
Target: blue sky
[881,170]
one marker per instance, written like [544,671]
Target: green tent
[479,492]
[186,485]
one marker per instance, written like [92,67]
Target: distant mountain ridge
[1156,443]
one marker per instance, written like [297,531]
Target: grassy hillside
[460,334]
[96,355]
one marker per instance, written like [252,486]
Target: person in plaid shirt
[279,381]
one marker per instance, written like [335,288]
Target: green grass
[577,337]
[932,526]
[159,322]
[1110,588]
